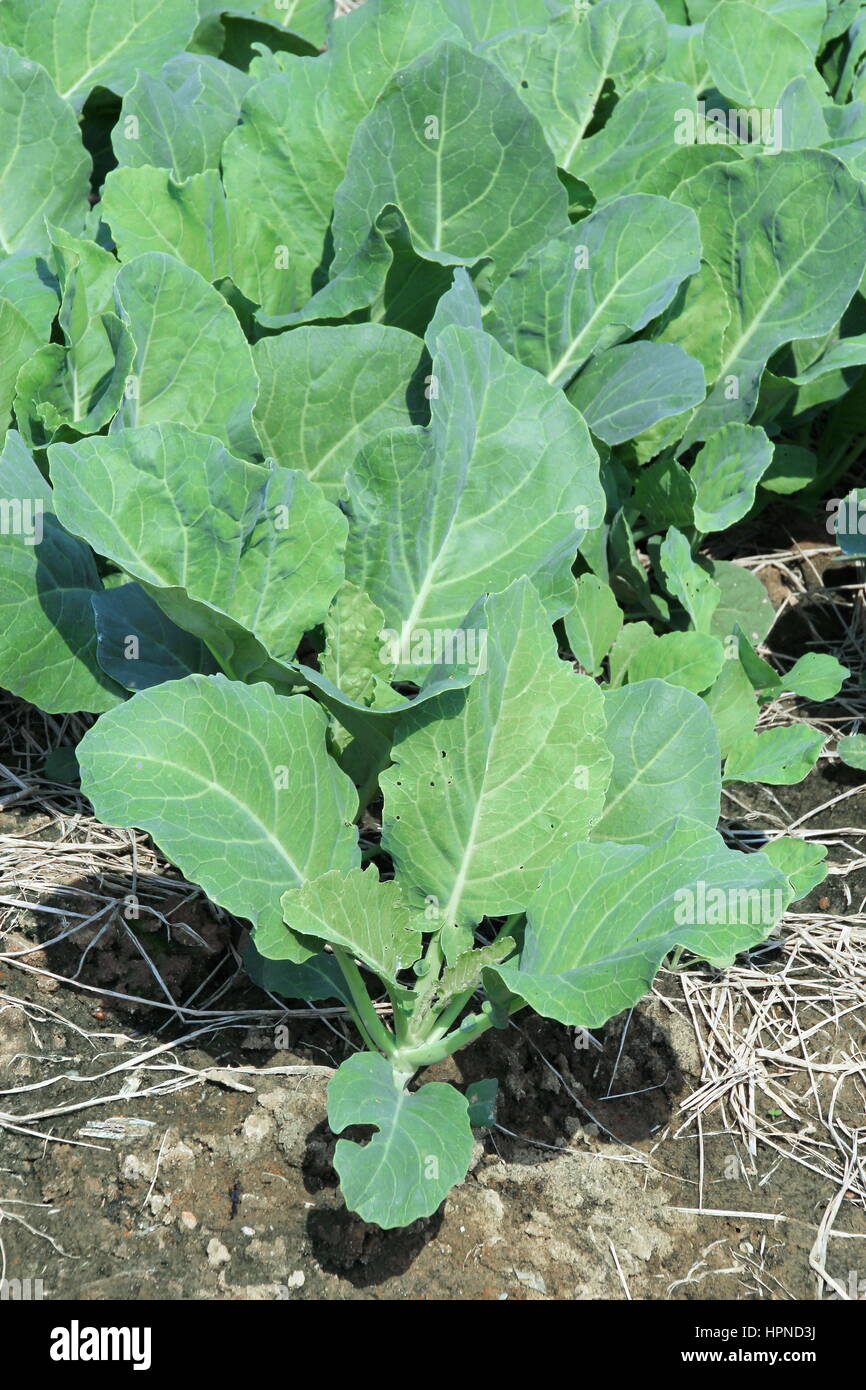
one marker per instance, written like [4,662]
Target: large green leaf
[787,234]
[234,784]
[595,284]
[45,169]
[97,43]
[629,388]
[665,760]
[433,146]
[638,138]
[357,912]
[211,535]
[503,484]
[561,69]
[138,646]
[47,579]
[606,915]
[147,211]
[179,119]
[326,392]
[287,157]
[752,56]
[192,363]
[489,785]
[422,1147]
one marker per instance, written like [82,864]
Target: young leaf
[690,659]
[744,603]
[606,915]
[815,676]
[852,751]
[780,756]
[687,581]
[356,911]
[726,473]
[594,623]
[233,783]
[423,1144]
[466,761]
[800,860]
[733,704]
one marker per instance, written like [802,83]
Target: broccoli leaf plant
[544,844]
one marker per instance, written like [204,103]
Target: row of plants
[372,387]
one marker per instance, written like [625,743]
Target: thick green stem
[369,1024]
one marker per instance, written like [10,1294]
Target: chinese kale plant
[370,388]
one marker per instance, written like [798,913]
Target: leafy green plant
[358,373]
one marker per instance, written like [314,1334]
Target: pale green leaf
[752,56]
[787,234]
[97,43]
[422,1147]
[433,146]
[801,860]
[726,473]
[234,784]
[210,535]
[733,705]
[688,581]
[326,392]
[503,483]
[488,786]
[606,915]
[595,284]
[357,912]
[179,119]
[628,388]
[593,624]
[690,659]
[780,756]
[665,759]
[45,168]
[192,363]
